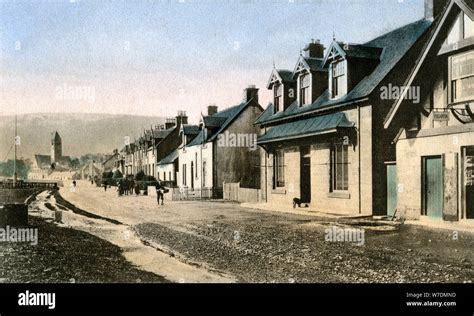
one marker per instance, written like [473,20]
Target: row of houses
[197,157]
[373,128]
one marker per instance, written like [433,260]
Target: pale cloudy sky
[158,57]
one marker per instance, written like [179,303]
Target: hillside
[80,133]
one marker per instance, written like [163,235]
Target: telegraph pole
[14,161]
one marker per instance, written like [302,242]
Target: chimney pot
[211,109]
[181,118]
[314,49]
[251,93]
[169,123]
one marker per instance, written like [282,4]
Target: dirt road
[262,246]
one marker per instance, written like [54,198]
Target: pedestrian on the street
[105,185]
[120,188]
[74,183]
[160,192]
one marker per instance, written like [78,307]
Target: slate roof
[310,63]
[44,161]
[214,121]
[286,75]
[170,158]
[190,129]
[304,128]
[315,64]
[219,121]
[361,51]
[283,75]
[162,133]
[395,45]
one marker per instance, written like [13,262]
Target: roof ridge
[394,30]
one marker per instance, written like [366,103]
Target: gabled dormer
[348,64]
[309,73]
[283,85]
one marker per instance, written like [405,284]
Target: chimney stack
[251,93]
[169,123]
[181,118]
[211,109]
[314,49]
[433,8]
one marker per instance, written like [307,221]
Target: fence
[30,184]
[177,194]
[233,192]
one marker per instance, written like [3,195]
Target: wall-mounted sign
[441,116]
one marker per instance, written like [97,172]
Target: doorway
[305,174]
[433,187]
[468,181]
[192,175]
[392,189]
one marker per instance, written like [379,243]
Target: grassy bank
[65,255]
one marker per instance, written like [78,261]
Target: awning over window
[305,128]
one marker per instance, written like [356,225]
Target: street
[228,243]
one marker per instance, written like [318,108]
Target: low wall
[233,192]
[14,215]
[8,196]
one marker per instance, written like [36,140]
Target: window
[204,173]
[170,176]
[279,169]
[184,174]
[339,82]
[164,176]
[339,167]
[196,159]
[305,89]
[278,97]
[462,77]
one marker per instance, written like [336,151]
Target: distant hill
[80,133]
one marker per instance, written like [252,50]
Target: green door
[433,187]
[392,189]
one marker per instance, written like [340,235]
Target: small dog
[298,202]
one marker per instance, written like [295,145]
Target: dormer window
[283,86]
[338,79]
[305,89]
[278,97]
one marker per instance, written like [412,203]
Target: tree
[75,163]
[140,176]
[117,174]
[22,168]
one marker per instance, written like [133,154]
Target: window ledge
[339,195]
[279,191]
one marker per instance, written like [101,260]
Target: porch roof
[305,128]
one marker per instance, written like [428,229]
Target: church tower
[56,148]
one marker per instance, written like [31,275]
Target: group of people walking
[127,186]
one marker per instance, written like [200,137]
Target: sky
[154,58]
